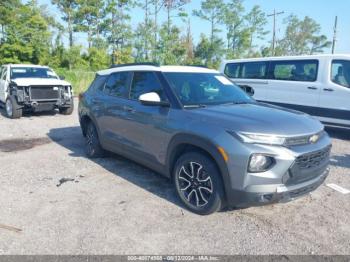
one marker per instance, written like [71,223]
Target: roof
[333,56]
[26,65]
[183,69]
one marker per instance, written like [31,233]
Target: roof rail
[134,64]
[197,65]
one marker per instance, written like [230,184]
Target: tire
[198,183]
[92,144]
[67,110]
[13,110]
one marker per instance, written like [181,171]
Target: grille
[312,160]
[44,92]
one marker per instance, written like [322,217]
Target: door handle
[312,87]
[129,109]
[328,89]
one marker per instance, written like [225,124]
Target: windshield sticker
[223,80]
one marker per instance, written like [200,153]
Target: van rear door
[294,84]
[251,74]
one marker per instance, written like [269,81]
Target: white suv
[318,85]
[33,88]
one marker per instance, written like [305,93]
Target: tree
[302,37]
[209,53]
[257,21]
[90,14]
[68,9]
[117,28]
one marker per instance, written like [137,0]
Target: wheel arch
[182,143]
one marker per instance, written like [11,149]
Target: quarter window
[4,73]
[254,70]
[301,70]
[340,73]
[117,84]
[145,82]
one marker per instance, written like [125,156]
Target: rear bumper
[282,194]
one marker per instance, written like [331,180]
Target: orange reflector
[223,153]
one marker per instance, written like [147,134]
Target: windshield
[205,89]
[32,72]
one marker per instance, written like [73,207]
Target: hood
[40,82]
[260,118]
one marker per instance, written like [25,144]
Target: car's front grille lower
[314,159]
[44,92]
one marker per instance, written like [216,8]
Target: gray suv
[218,145]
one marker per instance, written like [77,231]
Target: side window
[117,84]
[98,83]
[254,70]
[340,73]
[298,70]
[145,82]
[232,70]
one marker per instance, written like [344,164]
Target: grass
[80,80]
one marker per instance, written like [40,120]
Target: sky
[323,11]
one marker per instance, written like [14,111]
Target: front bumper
[281,195]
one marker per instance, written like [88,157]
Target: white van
[318,85]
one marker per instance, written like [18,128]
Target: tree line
[30,34]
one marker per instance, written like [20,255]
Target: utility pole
[334,34]
[274,29]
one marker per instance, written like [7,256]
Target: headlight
[262,139]
[260,163]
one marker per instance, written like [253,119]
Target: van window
[340,73]
[298,70]
[232,70]
[254,70]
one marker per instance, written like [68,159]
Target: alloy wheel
[195,184]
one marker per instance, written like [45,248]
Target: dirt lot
[53,200]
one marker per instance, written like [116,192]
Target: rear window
[298,70]
[232,70]
[98,83]
[340,73]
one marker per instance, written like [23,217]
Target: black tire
[202,193]
[67,110]
[12,109]
[92,144]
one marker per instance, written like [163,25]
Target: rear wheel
[198,183]
[67,110]
[92,144]
[13,110]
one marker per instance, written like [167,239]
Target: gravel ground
[53,200]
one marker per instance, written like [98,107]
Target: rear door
[113,120]
[334,104]
[294,84]
[251,74]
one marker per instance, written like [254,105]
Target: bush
[80,80]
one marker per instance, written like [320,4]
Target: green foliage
[80,80]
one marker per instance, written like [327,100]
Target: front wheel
[198,183]
[13,110]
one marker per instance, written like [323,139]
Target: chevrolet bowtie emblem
[313,139]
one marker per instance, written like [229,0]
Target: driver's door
[147,134]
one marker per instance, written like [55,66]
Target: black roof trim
[135,64]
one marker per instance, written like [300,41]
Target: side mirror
[61,77]
[152,99]
[248,89]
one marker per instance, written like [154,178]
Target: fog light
[260,163]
